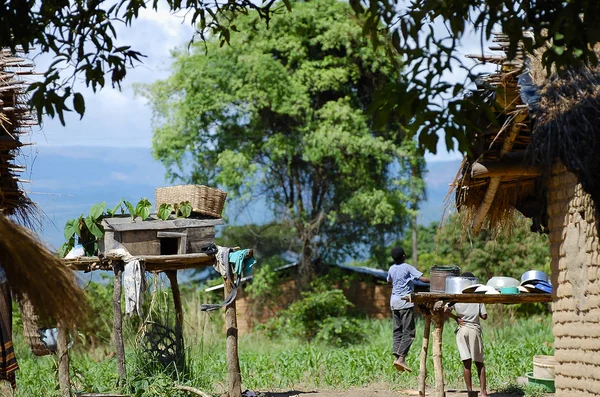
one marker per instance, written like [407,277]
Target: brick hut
[540,157]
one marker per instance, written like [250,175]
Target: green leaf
[97,210]
[64,250]
[559,50]
[113,211]
[164,211]
[93,227]
[143,208]
[288,5]
[130,208]
[186,209]
[71,228]
[79,104]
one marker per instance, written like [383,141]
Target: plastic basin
[546,384]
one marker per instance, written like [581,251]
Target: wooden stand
[432,307]
[168,264]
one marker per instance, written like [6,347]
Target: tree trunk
[306,269]
[234,376]
[414,239]
[118,323]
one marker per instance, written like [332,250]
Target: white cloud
[118,176]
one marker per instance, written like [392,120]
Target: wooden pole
[438,329]
[172,275]
[118,322]
[424,351]
[64,380]
[234,384]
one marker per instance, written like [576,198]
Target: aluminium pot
[455,284]
[438,275]
[531,275]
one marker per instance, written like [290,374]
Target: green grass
[290,363]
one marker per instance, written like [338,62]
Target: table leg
[424,349]
[438,328]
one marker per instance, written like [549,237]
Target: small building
[540,157]
[366,288]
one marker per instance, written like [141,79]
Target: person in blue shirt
[402,276]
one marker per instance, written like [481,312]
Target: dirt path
[368,392]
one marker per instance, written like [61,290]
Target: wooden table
[432,304]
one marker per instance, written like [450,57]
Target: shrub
[340,331]
[323,314]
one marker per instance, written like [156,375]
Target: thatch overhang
[526,123]
[33,272]
[15,120]
[493,179]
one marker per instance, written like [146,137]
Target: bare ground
[370,392]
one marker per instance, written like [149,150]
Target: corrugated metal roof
[379,274]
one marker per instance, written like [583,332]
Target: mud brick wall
[576,278]
[370,298]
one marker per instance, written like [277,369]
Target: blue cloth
[240,262]
[402,277]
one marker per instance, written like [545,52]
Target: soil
[371,392]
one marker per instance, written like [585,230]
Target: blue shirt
[402,277]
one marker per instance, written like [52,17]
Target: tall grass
[287,363]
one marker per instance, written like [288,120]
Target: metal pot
[533,275]
[439,275]
[455,284]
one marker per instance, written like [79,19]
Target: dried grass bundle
[34,272]
[568,126]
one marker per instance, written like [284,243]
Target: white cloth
[134,285]
[222,260]
[75,252]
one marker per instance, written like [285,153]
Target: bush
[307,315]
[322,315]
[340,331]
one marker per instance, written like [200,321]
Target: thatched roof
[532,120]
[32,271]
[15,120]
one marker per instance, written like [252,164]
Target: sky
[106,155]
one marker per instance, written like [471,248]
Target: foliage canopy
[284,111]
[81,36]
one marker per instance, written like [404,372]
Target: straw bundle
[15,120]
[32,271]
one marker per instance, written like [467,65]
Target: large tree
[81,35]
[283,111]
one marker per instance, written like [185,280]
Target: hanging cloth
[240,262]
[134,285]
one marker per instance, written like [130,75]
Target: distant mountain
[67,181]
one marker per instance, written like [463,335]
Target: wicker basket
[205,200]
[31,328]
